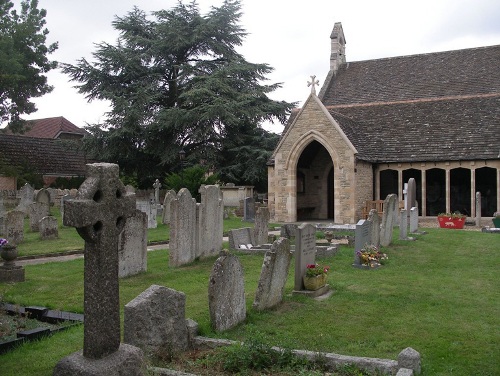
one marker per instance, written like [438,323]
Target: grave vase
[496,222]
[314,283]
[9,254]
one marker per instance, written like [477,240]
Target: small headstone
[182,229]
[129,189]
[26,194]
[414,220]
[273,275]
[132,246]
[167,202]
[478,209]
[155,320]
[374,220]
[226,293]
[403,225]
[36,211]
[362,238]
[287,230]
[410,359]
[14,226]
[241,238]
[261,225]
[48,228]
[99,213]
[249,209]
[43,197]
[305,252]
[387,224]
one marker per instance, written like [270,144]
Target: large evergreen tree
[23,60]
[175,82]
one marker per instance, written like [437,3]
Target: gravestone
[155,320]
[64,198]
[386,227]
[249,209]
[2,215]
[411,196]
[167,202]
[129,189]
[210,222]
[226,293]
[148,207]
[273,275]
[287,230]
[305,252]
[14,226]
[414,219]
[374,220]
[261,228]
[362,238]
[26,194]
[153,212]
[182,229]
[403,225]
[241,238]
[99,213]
[48,228]
[36,211]
[478,209]
[132,245]
[43,197]
[157,186]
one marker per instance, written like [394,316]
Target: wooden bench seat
[378,205]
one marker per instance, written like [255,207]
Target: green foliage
[175,81]
[23,60]
[191,178]
[23,172]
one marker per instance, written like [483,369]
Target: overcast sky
[293,37]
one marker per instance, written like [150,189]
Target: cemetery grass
[439,295]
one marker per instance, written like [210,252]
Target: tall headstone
[362,237]
[153,212]
[478,209]
[182,229]
[414,219]
[48,228]
[249,209]
[26,194]
[273,275]
[226,293]
[99,213]
[305,252]
[167,203]
[210,222]
[132,245]
[14,226]
[374,220]
[157,186]
[36,211]
[403,225]
[411,195]
[64,198]
[261,227]
[386,227]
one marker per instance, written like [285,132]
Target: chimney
[337,57]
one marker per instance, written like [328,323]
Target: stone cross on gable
[313,84]
[99,213]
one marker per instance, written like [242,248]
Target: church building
[377,123]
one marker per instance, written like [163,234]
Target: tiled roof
[51,128]
[439,106]
[46,156]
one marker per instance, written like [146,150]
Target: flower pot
[496,222]
[9,254]
[314,283]
[450,222]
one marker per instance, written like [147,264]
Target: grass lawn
[439,294]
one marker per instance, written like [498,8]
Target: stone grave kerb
[99,212]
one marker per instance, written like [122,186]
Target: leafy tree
[191,178]
[23,60]
[174,82]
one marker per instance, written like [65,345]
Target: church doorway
[315,183]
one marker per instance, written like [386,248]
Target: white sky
[293,37]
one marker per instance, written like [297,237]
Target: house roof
[51,128]
[46,156]
[429,107]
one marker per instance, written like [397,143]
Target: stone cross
[99,212]
[313,84]
[157,186]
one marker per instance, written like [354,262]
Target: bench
[378,205]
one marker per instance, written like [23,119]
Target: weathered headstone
[155,320]
[157,186]
[261,225]
[362,238]
[26,194]
[99,214]
[37,211]
[287,230]
[132,245]
[182,229]
[167,202]
[386,227]
[241,238]
[374,219]
[48,228]
[305,252]
[249,209]
[414,219]
[64,198]
[403,225]
[14,226]
[273,275]
[226,293]
[153,212]
[210,222]
[411,195]
[478,209]
[43,197]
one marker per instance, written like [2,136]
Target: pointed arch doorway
[315,183]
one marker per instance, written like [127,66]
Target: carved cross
[99,213]
[313,84]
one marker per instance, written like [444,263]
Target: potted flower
[496,219]
[315,276]
[451,220]
[370,256]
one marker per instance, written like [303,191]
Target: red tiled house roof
[55,128]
